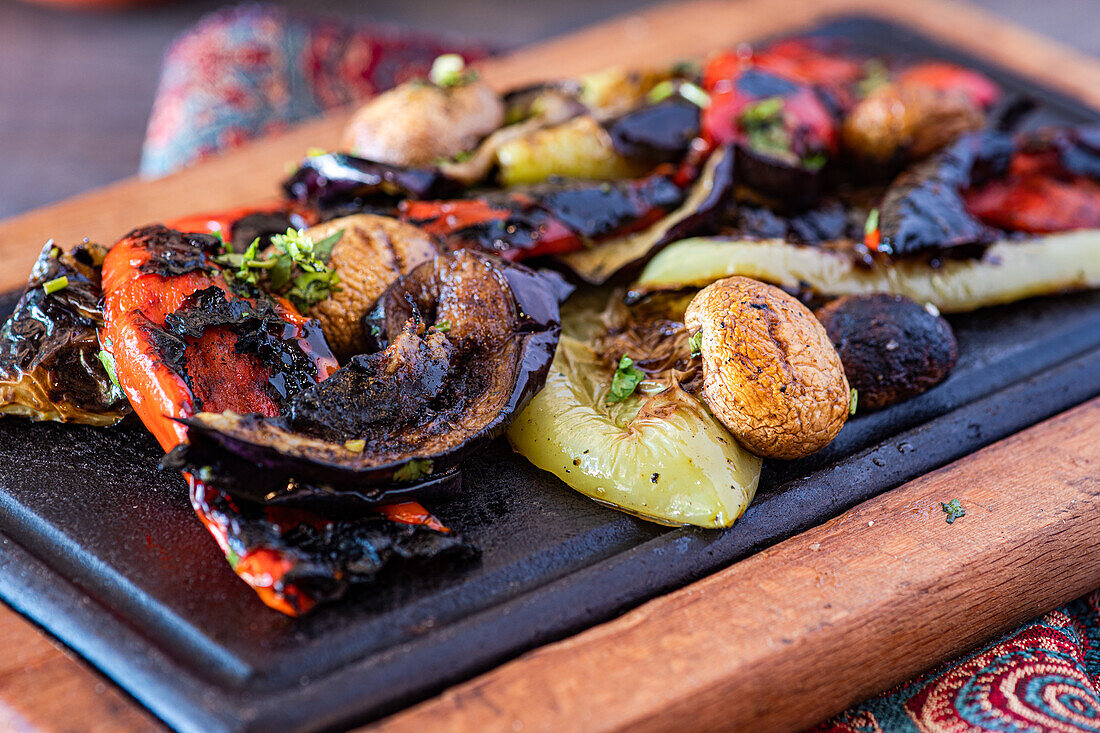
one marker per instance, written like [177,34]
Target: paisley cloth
[254,70]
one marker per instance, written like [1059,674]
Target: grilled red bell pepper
[149,278]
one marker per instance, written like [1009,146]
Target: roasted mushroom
[419,122]
[892,348]
[924,109]
[770,373]
[51,366]
[467,340]
[371,253]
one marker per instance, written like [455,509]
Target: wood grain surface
[804,629]
[777,641]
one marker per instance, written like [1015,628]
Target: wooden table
[775,642]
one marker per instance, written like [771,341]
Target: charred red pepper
[183,340]
[548,219]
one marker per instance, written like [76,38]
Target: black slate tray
[103,550]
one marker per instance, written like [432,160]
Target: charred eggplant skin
[937,204]
[466,340]
[331,179]
[892,348]
[50,367]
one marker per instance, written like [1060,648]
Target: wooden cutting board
[777,641]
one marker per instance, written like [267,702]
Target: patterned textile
[1042,677]
[254,70]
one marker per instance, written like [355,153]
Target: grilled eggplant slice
[708,198]
[466,342]
[50,365]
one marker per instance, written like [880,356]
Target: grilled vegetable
[341,181]
[707,199]
[658,453]
[770,374]
[892,348]
[50,359]
[783,129]
[183,341]
[549,218]
[371,252]
[467,341]
[295,559]
[1005,272]
[418,123]
[579,148]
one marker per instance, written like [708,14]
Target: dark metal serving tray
[103,550]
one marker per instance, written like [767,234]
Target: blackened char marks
[261,331]
[173,253]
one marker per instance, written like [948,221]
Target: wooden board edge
[800,631]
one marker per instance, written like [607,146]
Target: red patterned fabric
[255,70]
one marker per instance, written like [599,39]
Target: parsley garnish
[58,283]
[107,359]
[443,326]
[685,89]
[765,127]
[413,470]
[871,224]
[853,401]
[696,343]
[449,70]
[626,380]
[953,509]
[233,558]
[314,282]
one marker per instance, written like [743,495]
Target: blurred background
[77,84]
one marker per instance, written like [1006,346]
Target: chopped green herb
[853,401]
[316,280]
[767,110]
[765,128]
[449,70]
[815,162]
[875,74]
[375,330]
[233,558]
[355,446]
[872,222]
[953,509]
[626,380]
[413,470]
[443,326]
[108,361]
[58,283]
[311,288]
[694,94]
[323,250]
[696,343]
[685,89]
[662,91]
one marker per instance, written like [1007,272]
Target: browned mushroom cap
[770,373]
[909,119]
[892,348]
[372,252]
[417,123]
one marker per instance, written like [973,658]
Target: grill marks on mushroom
[770,373]
[372,252]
